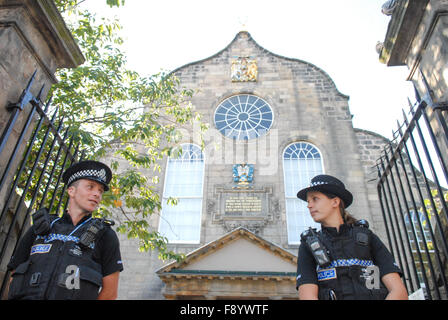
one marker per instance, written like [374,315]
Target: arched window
[301,162]
[181,223]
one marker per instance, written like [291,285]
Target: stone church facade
[274,123]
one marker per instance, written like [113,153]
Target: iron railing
[412,187]
[31,177]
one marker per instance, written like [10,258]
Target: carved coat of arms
[243,173]
[244,69]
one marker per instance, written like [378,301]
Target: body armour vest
[59,267]
[351,274]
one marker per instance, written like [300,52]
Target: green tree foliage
[118,114]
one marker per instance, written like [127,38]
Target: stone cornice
[232,275]
[49,22]
[64,37]
[401,31]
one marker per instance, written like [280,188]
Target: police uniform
[58,260]
[356,259]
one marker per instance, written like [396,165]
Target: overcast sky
[336,36]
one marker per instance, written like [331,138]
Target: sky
[337,36]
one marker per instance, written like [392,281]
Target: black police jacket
[351,274]
[58,267]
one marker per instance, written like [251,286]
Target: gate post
[34,43]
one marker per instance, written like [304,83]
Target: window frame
[249,133]
[201,197]
[294,197]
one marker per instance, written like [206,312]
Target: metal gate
[31,176]
[412,188]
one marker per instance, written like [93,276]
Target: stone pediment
[238,253]
[239,265]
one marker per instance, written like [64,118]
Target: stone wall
[370,146]
[33,37]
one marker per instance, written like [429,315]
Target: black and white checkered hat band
[318,183]
[100,174]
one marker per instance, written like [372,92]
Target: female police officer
[344,260]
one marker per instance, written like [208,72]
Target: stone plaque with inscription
[243,205]
[250,208]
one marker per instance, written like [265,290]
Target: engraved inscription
[240,204]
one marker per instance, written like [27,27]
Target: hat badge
[102,174]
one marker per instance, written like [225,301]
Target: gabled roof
[249,38]
[239,253]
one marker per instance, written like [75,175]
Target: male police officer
[73,256]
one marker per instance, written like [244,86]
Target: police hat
[89,169]
[327,184]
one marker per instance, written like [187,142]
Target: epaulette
[362,223]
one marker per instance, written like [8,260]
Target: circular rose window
[243,117]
